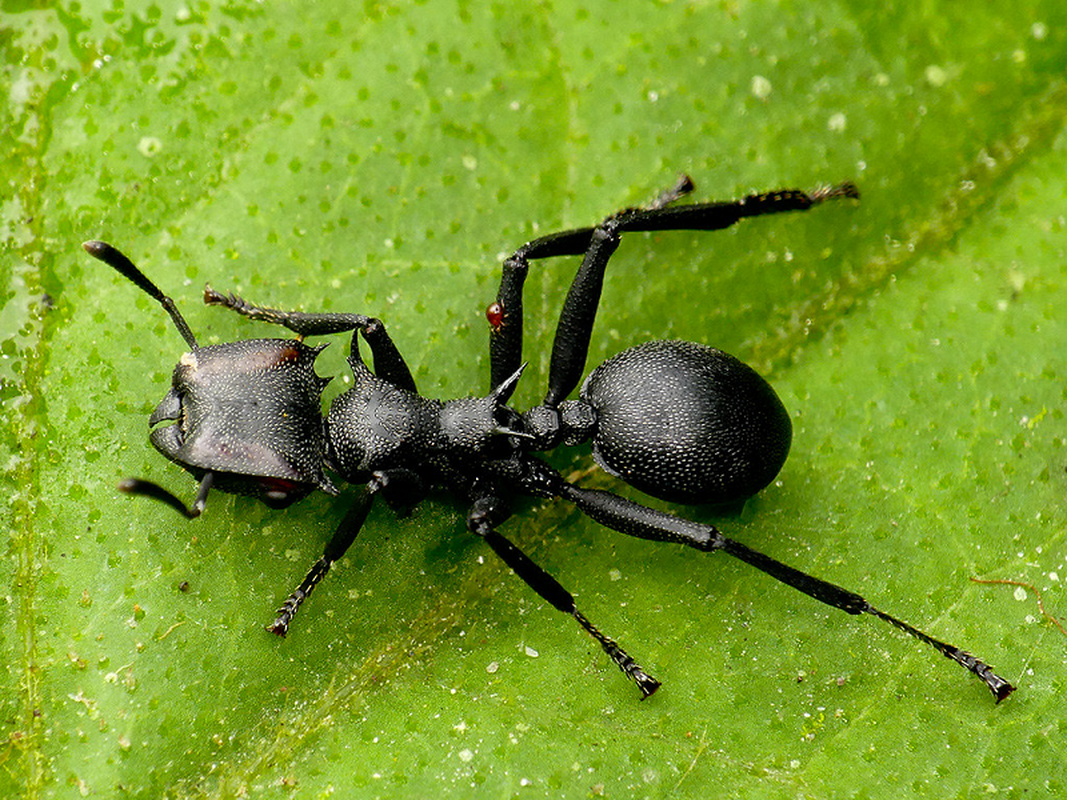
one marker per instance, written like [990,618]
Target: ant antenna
[113,258]
[156,492]
[102,251]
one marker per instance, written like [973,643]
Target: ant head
[225,403]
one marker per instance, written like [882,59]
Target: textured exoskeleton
[251,413]
[686,422]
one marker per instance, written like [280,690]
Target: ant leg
[570,347]
[337,546]
[680,189]
[715,216]
[710,216]
[571,344]
[402,490]
[484,516]
[299,322]
[597,244]
[388,363]
[634,519]
[505,322]
[505,314]
[535,477]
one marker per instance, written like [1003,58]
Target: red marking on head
[288,355]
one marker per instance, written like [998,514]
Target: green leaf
[382,161]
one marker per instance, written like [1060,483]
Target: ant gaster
[677,420]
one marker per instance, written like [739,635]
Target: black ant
[677,420]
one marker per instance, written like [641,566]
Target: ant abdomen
[686,422]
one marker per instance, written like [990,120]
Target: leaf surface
[382,161]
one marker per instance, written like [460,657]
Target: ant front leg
[402,489]
[388,363]
[338,545]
